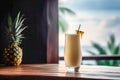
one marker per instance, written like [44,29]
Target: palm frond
[112,39]
[93,53]
[99,48]
[101,62]
[110,47]
[62,24]
[113,49]
[117,50]
[111,43]
[66,10]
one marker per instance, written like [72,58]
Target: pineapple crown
[15,29]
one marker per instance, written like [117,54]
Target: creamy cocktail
[72,53]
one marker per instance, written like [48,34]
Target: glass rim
[71,34]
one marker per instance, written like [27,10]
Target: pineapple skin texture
[12,55]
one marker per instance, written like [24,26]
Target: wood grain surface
[58,72]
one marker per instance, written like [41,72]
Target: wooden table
[58,72]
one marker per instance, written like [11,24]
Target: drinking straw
[79,27]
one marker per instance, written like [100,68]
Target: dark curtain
[41,42]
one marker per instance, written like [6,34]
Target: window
[100,20]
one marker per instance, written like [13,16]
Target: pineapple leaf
[15,28]
[13,38]
[20,22]
[20,36]
[20,19]
[10,24]
[7,32]
[20,25]
[9,21]
[17,19]
[21,30]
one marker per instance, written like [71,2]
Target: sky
[93,4]
[99,19]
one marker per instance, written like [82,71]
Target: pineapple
[12,54]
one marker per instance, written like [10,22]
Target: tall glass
[72,52]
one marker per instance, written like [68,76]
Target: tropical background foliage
[63,25]
[112,49]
